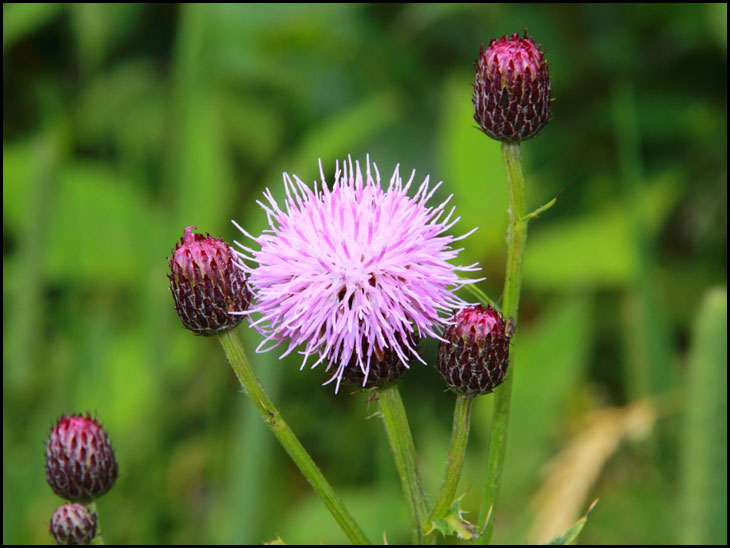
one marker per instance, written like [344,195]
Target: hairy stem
[246,376]
[516,238]
[455,459]
[404,454]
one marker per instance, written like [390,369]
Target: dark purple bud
[512,89]
[73,524]
[475,356]
[80,462]
[207,284]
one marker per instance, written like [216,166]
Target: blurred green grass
[123,124]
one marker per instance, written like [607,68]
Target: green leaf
[134,88]
[96,28]
[704,470]
[571,534]
[473,171]
[454,523]
[23,18]
[21,165]
[595,249]
[96,224]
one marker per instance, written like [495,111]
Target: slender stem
[516,237]
[246,376]
[404,454]
[455,459]
[98,539]
[483,297]
[539,210]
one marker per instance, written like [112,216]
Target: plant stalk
[455,459]
[251,385]
[516,238]
[404,454]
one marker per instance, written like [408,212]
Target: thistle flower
[73,525]
[512,89]
[353,271]
[80,463]
[474,356]
[206,285]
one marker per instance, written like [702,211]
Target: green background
[123,124]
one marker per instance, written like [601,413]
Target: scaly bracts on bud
[80,462]
[512,89]
[206,284]
[73,525]
[474,357]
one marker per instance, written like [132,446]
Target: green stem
[246,376]
[516,237]
[483,298]
[98,539]
[539,210]
[455,459]
[404,454]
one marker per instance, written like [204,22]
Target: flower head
[474,356]
[512,89]
[206,285]
[352,270]
[80,463]
[73,525]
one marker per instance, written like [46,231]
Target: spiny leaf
[571,534]
[454,523]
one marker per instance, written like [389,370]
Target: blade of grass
[704,467]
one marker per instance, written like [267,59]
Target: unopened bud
[80,462]
[73,524]
[512,89]
[206,284]
[474,357]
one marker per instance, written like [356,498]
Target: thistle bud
[206,284]
[80,463]
[512,89]
[386,367]
[474,357]
[73,524]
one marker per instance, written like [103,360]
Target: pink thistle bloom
[350,269]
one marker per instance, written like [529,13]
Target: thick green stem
[516,237]
[455,459]
[246,376]
[404,454]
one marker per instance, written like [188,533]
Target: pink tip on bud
[474,357]
[80,462]
[512,89]
[207,285]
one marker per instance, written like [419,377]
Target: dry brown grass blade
[572,472]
